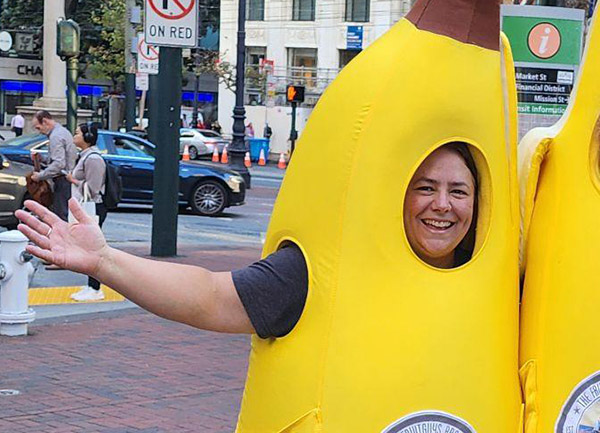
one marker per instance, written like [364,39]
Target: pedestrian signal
[295,93]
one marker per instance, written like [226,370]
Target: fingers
[34,236]
[78,212]
[40,253]
[32,222]
[42,212]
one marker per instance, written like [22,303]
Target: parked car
[200,142]
[206,188]
[13,190]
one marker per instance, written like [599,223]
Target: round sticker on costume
[581,412]
[429,422]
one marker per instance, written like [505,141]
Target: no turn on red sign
[171,23]
[147,56]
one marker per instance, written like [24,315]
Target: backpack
[113,186]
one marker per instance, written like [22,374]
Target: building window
[255,79]
[255,10]
[346,56]
[254,55]
[357,11]
[302,66]
[303,10]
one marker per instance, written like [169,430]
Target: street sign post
[147,56]
[172,23]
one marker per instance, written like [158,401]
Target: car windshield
[24,140]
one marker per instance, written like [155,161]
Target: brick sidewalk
[126,372]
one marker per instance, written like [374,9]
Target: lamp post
[237,148]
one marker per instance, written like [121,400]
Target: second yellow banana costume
[560,175]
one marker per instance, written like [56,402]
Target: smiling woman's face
[438,208]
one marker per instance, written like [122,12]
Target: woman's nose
[441,202]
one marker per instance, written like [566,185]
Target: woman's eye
[425,188]
[459,192]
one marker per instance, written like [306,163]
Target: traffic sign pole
[169,24]
[166,168]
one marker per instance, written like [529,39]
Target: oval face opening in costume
[440,208]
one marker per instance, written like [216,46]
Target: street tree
[106,59]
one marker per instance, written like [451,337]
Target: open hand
[79,247]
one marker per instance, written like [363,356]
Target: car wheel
[208,198]
[193,152]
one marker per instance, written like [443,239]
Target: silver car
[200,142]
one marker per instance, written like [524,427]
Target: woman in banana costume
[560,185]
[386,341]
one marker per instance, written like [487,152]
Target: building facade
[301,42]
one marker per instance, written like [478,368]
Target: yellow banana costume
[560,185]
[387,342]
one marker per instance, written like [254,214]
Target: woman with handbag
[88,185]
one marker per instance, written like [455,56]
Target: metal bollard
[15,271]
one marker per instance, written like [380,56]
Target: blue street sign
[354,38]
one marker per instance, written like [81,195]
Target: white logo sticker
[581,412]
[429,422]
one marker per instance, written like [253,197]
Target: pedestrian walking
[88,183]
[17,124]
[267,131]
[249,131]
[60,160]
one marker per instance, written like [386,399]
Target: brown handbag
[39,191]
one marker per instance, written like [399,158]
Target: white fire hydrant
[15,272]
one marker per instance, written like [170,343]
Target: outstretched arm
[186,294]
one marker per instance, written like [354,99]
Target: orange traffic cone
[247,161]
[281,164]
[224,157]
[186,153]
[215,157]
[261,158]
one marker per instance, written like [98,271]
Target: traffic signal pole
[72,77]
[166,167]
[293,132]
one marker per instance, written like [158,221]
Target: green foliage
[212,63]
[22,14]
[107,59]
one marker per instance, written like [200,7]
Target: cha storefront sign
[547,45]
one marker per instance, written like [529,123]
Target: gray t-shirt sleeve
[273,291]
